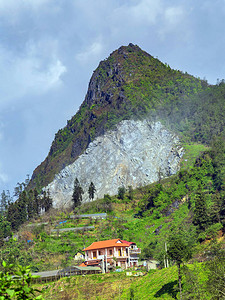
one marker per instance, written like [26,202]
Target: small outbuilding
[79,256]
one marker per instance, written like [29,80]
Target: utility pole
[166,262]
[103,265]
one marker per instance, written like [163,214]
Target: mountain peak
[129,84]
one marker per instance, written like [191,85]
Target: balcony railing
[135,251]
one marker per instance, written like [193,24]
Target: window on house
[110,252]
[94,254]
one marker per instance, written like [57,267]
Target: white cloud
[174,24]
[28,74]
[15,12]
[174,15]
[145,11]
[93,50]
[138,13]
[15,6]
[53,75]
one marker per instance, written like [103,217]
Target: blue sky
[49,49]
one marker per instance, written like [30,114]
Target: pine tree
[30,205]
[46,201]
[200,218]
[37,202]
[121,192]
[179,250]
[77,194]
[130,192]
[3,202]
[91,191]
[22,207]
[13,215]
[218,156]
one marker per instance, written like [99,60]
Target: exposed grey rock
[132,154]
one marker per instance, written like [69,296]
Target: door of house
[94,254]
[119,252]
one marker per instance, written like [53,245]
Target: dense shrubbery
[16,283]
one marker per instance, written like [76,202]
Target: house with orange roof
[112,253]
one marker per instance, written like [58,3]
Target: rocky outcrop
[135,153]
[130,84]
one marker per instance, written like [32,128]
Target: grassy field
[155,284]
[158,284]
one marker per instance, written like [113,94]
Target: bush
[15,283]
[212,231]
[121,192]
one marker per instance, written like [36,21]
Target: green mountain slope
[129,84]
[146,215]
[192,201]
[199,118]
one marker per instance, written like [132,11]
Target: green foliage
[5,227]
[27,205]
[198,117]
[4,200]
[91,191]
[194,282]
[212,231]
[16,283]
[218,155]
[121,192]
[46,201]
[201,218]
[179,247]
[216,269]
[179,250]
[130,192]
[206,281]
[77,194]
[158,284]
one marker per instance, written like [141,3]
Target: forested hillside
[190,204]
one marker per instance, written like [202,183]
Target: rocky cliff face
[132,154]
[129,85]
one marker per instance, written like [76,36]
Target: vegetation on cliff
[129,84]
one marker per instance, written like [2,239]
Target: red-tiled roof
[128,243]
[106,244]
[93,263]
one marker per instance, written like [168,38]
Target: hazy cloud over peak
[93,50]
